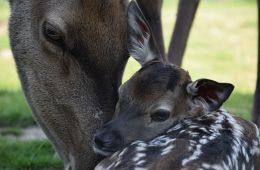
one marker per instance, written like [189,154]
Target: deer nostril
[98,141]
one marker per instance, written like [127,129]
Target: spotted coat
[214,141]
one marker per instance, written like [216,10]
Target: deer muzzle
[107,141]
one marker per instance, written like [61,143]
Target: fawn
[164,120]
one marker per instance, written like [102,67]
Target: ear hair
[141,43]
[208,93]
[191,88]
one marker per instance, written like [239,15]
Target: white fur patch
[192,89]
[98,151]
[167,150]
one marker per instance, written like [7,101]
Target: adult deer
[160,99]
[70,56]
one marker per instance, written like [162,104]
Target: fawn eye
[160,115]
[52,34]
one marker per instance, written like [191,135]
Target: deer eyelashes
[53,34]
[160,115]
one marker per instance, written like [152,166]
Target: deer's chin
[102,152]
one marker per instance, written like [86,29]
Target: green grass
[11,131]
[8,76]
[5,11]
[223,46]
[4,41]
[28,155]
[14,110]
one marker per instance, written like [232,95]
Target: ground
[222,46]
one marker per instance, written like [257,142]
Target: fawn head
[155,96]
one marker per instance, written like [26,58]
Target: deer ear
[208,93]
[140,41]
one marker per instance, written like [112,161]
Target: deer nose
[106,139]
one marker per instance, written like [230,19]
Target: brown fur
[165,121]
[140,90]
[68,88]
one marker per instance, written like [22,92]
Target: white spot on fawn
[138,157]
[167,150]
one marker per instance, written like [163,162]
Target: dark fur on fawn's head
[157,95]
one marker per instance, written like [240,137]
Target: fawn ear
[208,93]
[140,41]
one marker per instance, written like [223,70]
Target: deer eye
[160,115]
[52,34]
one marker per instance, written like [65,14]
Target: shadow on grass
[38,155]
[14,111]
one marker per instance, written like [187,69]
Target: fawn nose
[108,140]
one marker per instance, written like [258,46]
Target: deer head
[70,56]
[155,96]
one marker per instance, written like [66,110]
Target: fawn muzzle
[107,141]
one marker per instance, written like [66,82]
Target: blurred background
[222,46]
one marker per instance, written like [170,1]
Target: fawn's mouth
[102,151]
